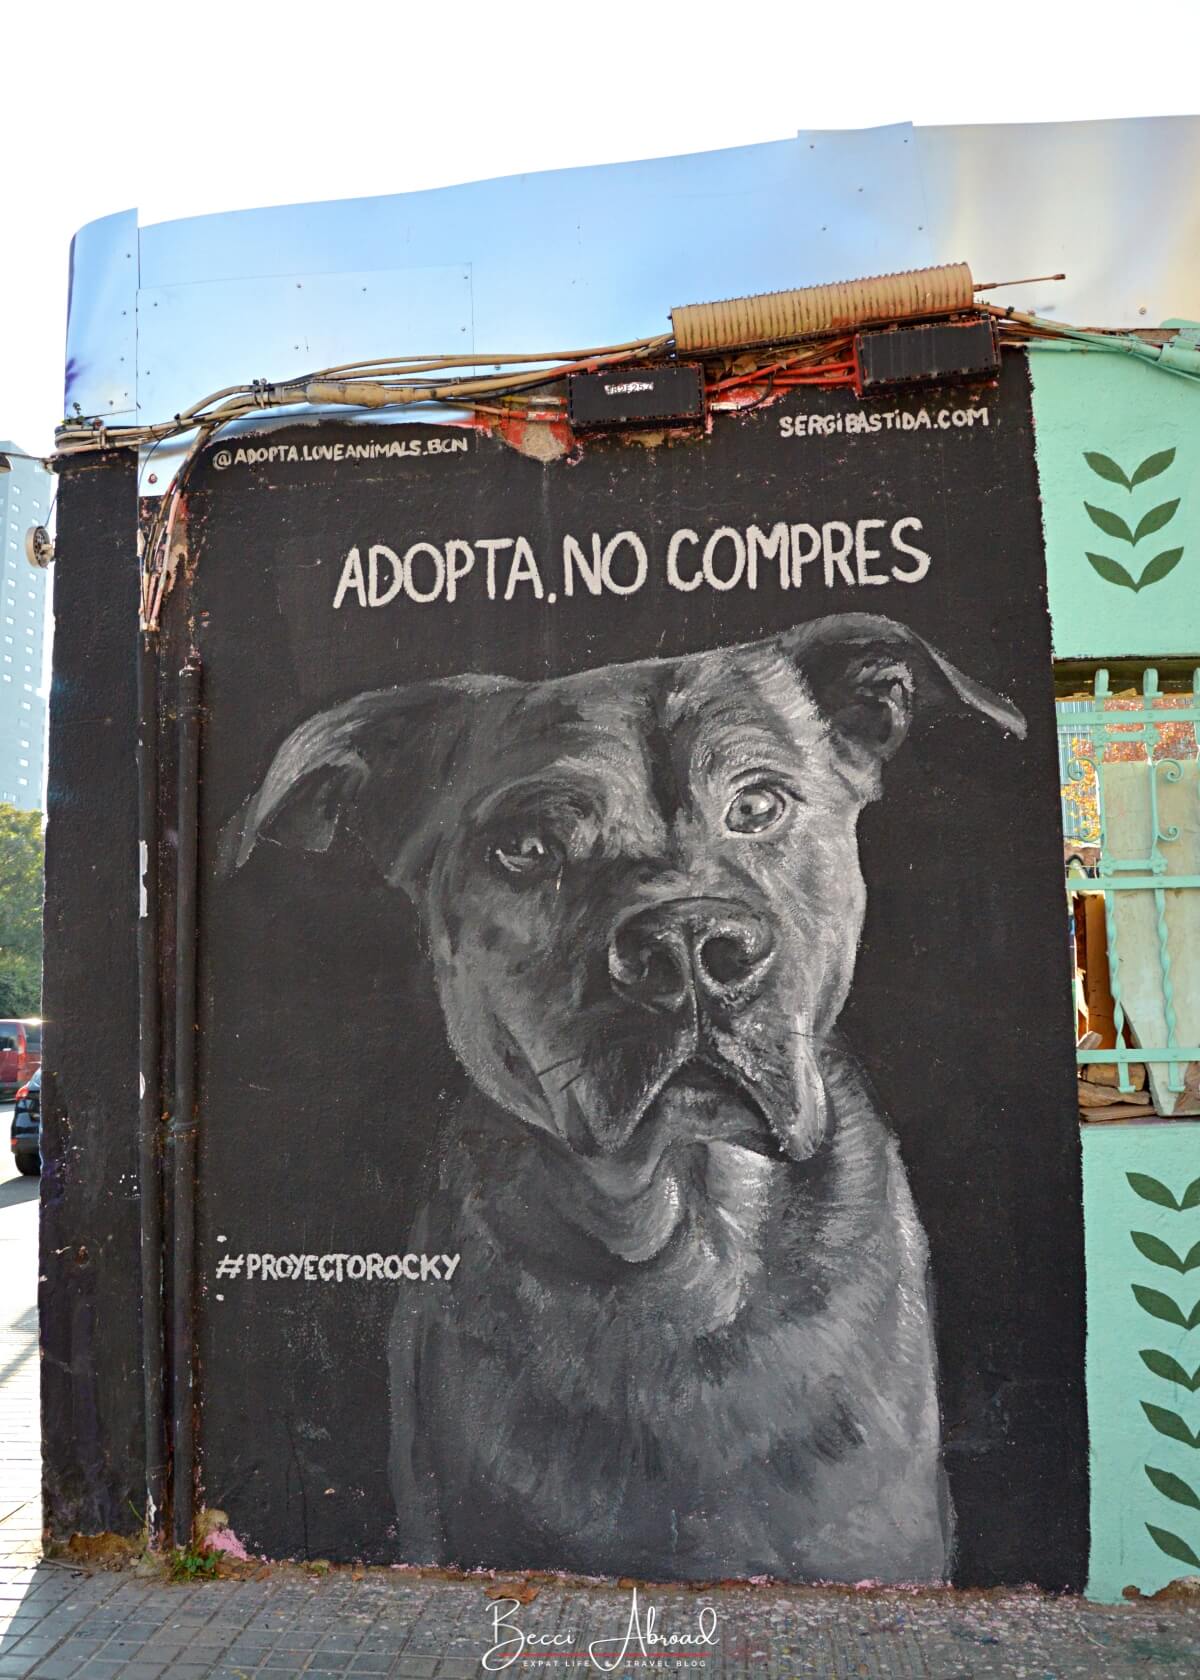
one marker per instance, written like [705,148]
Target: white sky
[183,110]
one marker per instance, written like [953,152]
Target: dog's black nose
[688,950]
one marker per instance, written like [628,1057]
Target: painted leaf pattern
[1105,467]
[1160,566]
[1150,467]
[1110,523]
[1169,1369]
[1172,1487]
[1112,571]
[1154,1190]
[1163,1419]
[1113,525]
[1159,1305]
[1173,1545]
[1170,1423]
[1155,519]
[1155,1249]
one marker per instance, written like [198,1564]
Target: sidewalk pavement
[58,1621]
[66,1624]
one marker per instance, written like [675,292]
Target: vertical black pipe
[150,1183]
[183,1120]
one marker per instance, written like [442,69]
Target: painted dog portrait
[692,1320]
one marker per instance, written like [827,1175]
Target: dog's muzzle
[683,953]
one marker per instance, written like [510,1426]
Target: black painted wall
[89,1294]
[325,1067]
[323,1061]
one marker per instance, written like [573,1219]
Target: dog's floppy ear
[377,766]
[871,676]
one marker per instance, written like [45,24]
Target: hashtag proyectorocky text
[340,1268]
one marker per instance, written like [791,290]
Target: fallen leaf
[522,1591]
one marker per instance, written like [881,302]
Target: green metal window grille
[1160,731]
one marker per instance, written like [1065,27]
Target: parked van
[20,1054]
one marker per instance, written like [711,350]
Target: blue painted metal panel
[102,318]
[590,256]
[249,328]
[566,258]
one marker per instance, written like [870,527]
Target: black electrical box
[637,396]
[929,355]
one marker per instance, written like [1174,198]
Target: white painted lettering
[351,578]
[640,563]
[674,577]
[913,574]
[863,554]
[379,597]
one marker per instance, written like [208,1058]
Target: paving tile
[57,1668]
[14,1668]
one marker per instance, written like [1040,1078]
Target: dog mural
[691,1335]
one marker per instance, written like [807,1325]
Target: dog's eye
[755,810]
[527,855]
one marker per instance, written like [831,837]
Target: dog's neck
[688,1233]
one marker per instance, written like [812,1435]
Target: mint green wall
[1118,451]
[1126,413]
[1143,1364]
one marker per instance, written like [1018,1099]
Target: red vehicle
[20,1053]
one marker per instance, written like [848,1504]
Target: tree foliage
[21,885]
